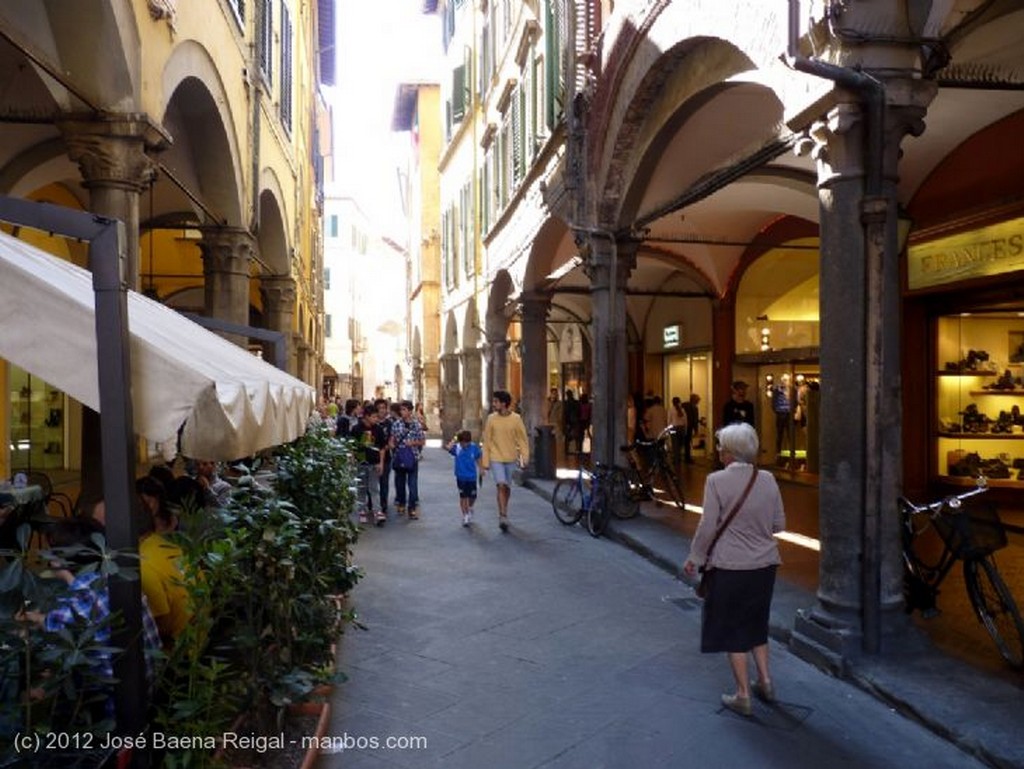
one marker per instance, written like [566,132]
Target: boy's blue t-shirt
[466,458]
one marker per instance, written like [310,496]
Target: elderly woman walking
[742,511]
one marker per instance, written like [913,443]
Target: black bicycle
[650,472]
[970,532]
[594,495]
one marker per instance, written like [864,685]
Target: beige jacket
[747,542]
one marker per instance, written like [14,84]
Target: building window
[468,246]
[327,279]
[459,93]
[327,325]
[238,6]
[332,226]
[555,37]
[286,68]
[265,44]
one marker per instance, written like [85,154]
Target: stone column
[279,314]
[535,360]
[860,572]
[472,390]
[497,366]
[451,396]
[609,264]
[227,256]
[111,154]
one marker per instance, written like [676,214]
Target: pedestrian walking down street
[735,541]
[505,447]
[678,420]
[382,437]
[467,471]
[367,434]
[407,441]
[692,422]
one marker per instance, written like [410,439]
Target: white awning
[231,403]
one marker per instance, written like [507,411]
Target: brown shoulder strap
[732,513]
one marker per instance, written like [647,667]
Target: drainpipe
[875,211]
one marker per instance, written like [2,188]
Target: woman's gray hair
[738,440]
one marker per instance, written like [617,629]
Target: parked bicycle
[650,470]
[971,533]
[594,496]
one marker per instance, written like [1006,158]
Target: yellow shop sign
[990,250]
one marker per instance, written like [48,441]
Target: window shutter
[265,44]
[459,93]
[286,68]
[517,139]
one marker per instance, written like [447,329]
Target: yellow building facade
[202,128]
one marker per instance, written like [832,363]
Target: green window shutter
[459,93]
[286,68]
[266,38]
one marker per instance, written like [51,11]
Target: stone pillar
[860,579]
[472,391]
[609,264]
[304,358]
[430,379]
[535,360]
[227,256]
[111,154]
[497,366]
[451,396]
[279,314]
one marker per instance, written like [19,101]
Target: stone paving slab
[549,648]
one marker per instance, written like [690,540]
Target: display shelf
[967,373]
[982,436]
[1019,391]
[996,483]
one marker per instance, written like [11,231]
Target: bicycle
[594,495]
[651,471]
[971,533]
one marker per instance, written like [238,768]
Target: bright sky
[380,44]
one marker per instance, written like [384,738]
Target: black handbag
[704,585]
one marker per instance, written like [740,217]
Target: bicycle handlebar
[953,500]
[663,436]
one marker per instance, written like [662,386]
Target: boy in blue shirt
[467,470]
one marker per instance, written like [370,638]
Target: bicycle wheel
[599,510]
[567,501]
[995,608]
[623,504]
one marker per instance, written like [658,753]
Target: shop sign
[993,250]
[672,336]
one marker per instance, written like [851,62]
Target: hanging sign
[672,336]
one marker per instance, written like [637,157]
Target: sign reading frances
[992,250]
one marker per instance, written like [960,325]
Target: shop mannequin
[781,405]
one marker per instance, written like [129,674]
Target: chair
[55,503]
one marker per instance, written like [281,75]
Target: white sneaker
[465,519]
[470,514]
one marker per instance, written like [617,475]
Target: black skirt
[737,609]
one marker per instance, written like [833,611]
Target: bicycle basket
[972,530]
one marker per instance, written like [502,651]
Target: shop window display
[979,424]
[37,429]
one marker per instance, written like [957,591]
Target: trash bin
[544,452]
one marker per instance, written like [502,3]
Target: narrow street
[548,648]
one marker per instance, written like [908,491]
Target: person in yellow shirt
[159,564]
[505,448]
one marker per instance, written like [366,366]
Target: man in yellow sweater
[505,447]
